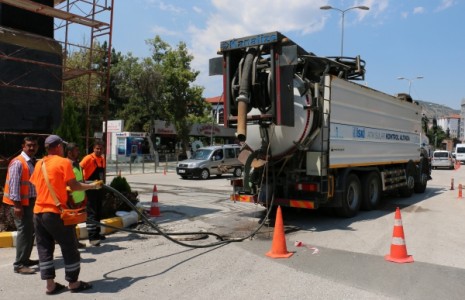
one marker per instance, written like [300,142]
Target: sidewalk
[141,168]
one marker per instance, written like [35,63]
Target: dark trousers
[24,235]
[50,229]
[94,213]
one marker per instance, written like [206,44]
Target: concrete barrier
[8,239]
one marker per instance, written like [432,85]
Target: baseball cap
[54,140]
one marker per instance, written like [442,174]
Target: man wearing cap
[54,172]
[20,194]
[93,165]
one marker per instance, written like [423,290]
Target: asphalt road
[337,259]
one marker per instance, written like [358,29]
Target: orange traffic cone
[278,247]
[154,209]
[398,247]
[460,192]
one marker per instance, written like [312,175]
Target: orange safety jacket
[90,163]
[24,183]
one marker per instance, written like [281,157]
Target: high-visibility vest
[78,196]
[23,185]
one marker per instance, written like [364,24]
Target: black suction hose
[168,235]
[243,99]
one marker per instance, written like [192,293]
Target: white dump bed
[368,127]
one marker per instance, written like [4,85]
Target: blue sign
[359,132]
[250,41]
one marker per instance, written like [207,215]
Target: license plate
[181,171]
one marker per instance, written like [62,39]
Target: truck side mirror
[215,66]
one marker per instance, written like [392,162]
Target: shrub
[120,184]
[112,204]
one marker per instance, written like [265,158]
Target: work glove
[97,184]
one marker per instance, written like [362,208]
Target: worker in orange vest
[51,176]
[21,195]
[94,166]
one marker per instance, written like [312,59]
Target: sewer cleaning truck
[311,137]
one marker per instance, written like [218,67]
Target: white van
[460,152]
[442,159]
[213,160]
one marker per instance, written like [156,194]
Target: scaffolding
[79,25]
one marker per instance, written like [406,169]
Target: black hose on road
[169,236]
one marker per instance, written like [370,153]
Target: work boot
[31,262]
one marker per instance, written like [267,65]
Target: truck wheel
[420,184]
[237,172]
[372,190]
[352,197]
[407,191]
[204,174]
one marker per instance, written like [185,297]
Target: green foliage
[182,101]
[137,88]
[159,87]
[436,135]
[120,184]
[71,129]
[86,90]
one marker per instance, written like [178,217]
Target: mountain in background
[432,110]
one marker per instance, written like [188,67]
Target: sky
[396,38]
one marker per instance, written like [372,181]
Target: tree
[85,89]
[436,135]
[141,90]
[71,126]
[181,102]
[137,88]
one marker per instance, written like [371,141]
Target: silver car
[442,159]
[213,160]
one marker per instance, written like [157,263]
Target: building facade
[450,124]
[462,119]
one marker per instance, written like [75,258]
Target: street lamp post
[343,11]
[410,81]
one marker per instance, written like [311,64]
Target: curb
[8,239]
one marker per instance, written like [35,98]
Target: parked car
[213,160]
[442,159]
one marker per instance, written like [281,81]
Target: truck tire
[352,197]
[371,191]
[420,184]
[408,190]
